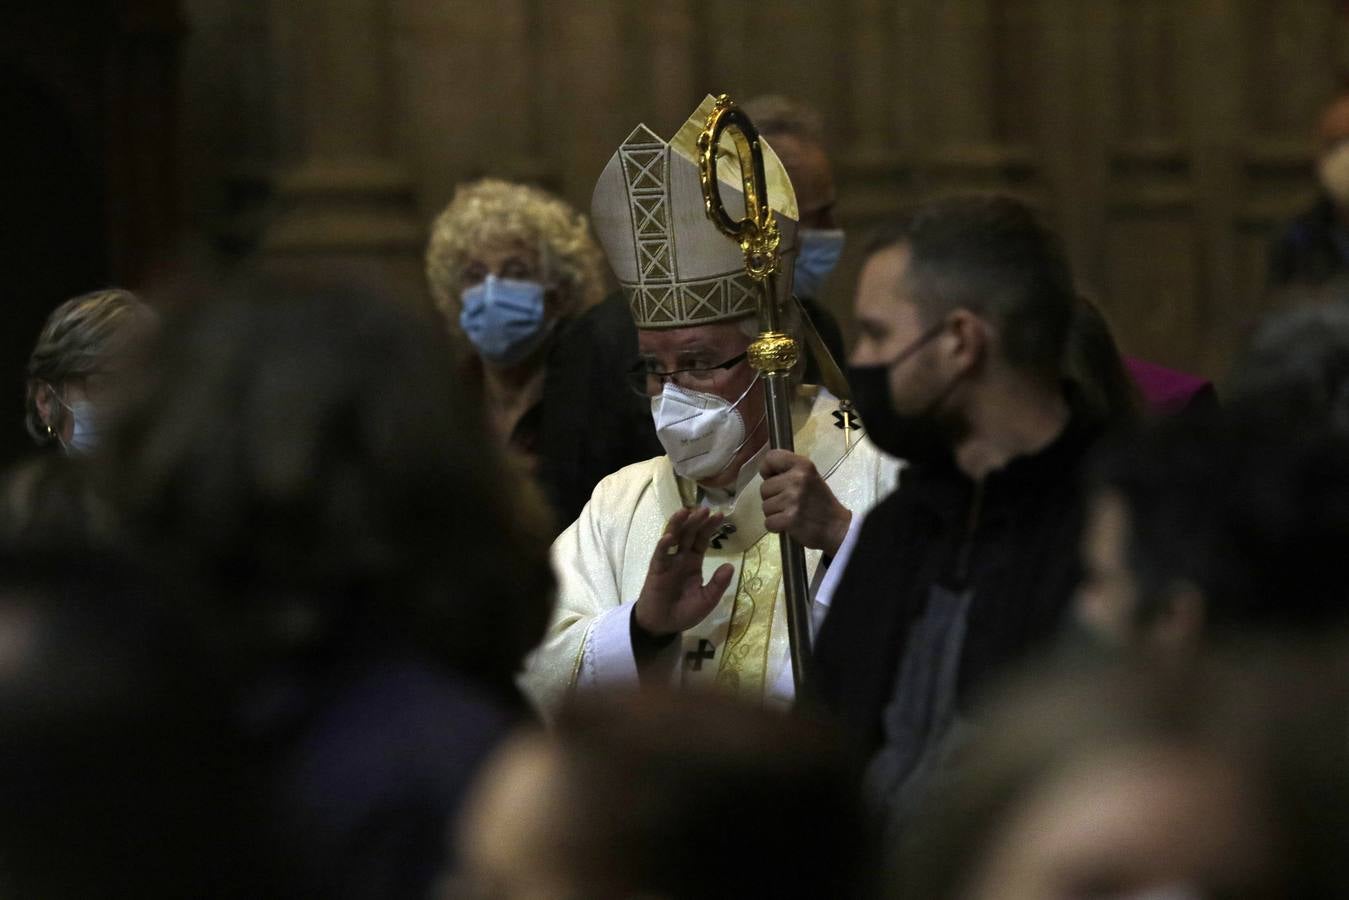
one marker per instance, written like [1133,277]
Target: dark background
[1166,138]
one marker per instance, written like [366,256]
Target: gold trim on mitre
[674,267]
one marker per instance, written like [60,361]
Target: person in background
[1314,247]
[591,424]
[1143,387]
[638,796]
[299,464]
[964,309]
[1170,392]
[47,504]
[509,266]
[1202,528]
[72,390]
[74,366]
[797,135]
[1093,363]
[1294,370]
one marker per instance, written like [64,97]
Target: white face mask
[701,432]
[1333,170]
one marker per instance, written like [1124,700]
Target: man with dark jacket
[963,309]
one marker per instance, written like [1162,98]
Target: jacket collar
[947,490]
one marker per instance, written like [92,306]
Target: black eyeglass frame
[638,376]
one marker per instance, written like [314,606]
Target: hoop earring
[54,397]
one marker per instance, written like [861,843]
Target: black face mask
[918,438]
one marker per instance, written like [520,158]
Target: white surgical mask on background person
[700,432]
[1332,169]
[504,318]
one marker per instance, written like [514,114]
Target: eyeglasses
[648,383]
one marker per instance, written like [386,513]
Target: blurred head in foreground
[118,766]
[1213,526]
[1221,780]
[300,453]
[668,797]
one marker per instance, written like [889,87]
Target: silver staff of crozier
[773,353]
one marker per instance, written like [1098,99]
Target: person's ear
[966,339]
[1179,624]
[44,399]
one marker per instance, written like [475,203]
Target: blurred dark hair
[1257,518]
[300,454]
[1277,715]
[1093,363]
[1294,371]
[648,779]
[994,257]
[120,768]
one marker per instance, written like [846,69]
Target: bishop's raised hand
[674,597]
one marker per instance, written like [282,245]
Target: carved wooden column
[1066,128]
[588,46]
[965,150]
[874,162]
[871,82]
[1095,84]
[671,74]
[1216,100]
[141,151]
[340,192]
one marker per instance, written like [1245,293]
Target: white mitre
[674,267]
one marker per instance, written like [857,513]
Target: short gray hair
[77,341]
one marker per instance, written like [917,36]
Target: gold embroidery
[744,661]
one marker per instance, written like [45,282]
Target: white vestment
[602,559]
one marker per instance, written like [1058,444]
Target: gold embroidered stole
[744,658]
[736,645]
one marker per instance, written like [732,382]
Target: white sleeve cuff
[833,574]
[606,658]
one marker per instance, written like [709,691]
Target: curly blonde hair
[494,211]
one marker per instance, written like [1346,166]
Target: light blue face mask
[816,257]
[83,433]
[504,319]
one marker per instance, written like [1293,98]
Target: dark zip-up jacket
[1013,540]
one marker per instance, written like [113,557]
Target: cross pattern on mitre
[672,264]
[645,160]
[654,259]
[658,304]
[705,300]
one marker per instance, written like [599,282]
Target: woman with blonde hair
[508,266]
